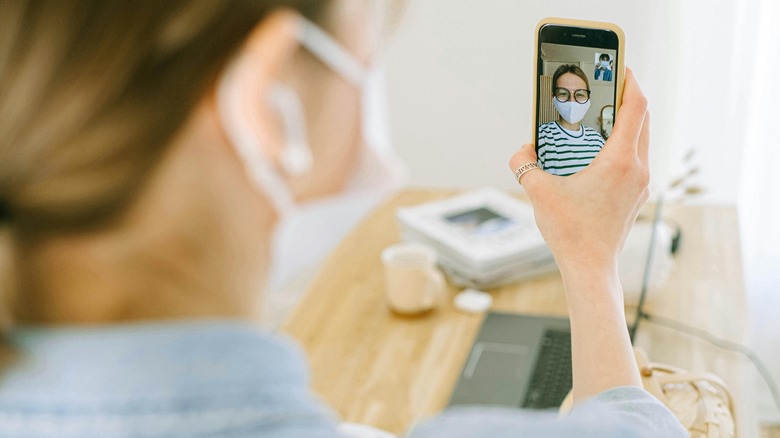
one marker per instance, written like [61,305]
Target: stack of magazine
[485,238]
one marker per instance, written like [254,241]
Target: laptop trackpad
[497,373]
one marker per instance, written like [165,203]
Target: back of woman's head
[93,90]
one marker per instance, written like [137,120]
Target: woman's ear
[242,89]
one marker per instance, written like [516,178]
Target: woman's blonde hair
[92,91]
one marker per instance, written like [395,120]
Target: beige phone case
[620,66]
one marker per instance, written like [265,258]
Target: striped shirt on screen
[563,152]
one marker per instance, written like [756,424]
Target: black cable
[647,269]
[720,343]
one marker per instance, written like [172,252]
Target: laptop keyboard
[551,378]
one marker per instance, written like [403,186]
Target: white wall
[759,200]
[460,78]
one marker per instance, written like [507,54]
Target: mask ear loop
[339,59]
[330,52]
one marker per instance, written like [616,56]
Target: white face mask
[571,111]
[306,232]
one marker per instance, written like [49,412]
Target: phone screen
[577,77]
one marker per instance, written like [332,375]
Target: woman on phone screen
[566,146]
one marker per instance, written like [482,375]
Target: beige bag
[700,401]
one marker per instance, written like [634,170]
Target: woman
[148,152]
[566,146]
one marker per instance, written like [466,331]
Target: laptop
[517,360]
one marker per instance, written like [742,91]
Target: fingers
[629,120]
[525,155]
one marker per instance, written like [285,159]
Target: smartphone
[578,85]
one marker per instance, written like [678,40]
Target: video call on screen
[571,131]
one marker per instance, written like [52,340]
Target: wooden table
[378,368]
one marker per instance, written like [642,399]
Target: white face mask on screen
[571,111]
[307,231]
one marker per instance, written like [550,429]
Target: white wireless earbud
[296,158]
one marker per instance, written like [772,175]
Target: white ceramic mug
[412,281]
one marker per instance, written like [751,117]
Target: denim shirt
[230,379]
